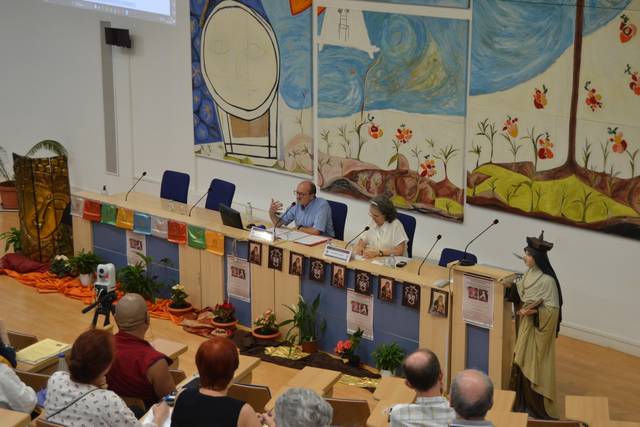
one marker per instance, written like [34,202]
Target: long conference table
[203,272]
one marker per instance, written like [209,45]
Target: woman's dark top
[195,409]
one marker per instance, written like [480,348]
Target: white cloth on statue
[14,394]
[386,236]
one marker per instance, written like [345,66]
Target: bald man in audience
[471,398]
[138,369]
[422,369]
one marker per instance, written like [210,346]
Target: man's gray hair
[471,394]
[301,407]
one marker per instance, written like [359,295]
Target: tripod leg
[94,322]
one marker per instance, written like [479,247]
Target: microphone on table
[438,237]
[280,219]
[134,185]
[199,200]
[466,262]
[357,235]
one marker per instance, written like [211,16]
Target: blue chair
[221,192]
[409,224]
[449,254]
[338,217]
[175,186]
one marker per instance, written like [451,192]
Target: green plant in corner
[12,238]
[388,356]
[85,262]
[138,278]
[305,319]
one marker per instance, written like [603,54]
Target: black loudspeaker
[117,37]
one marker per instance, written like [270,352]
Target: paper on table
[42,350]
[148,418]
[312,240]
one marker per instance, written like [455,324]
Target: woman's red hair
[91,353]
[217,360]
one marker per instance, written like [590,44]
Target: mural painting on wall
[460,4]
[553,129]
[391,107]
[251,79]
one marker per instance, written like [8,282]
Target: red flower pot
[265,337]
[180,311]
[224,325]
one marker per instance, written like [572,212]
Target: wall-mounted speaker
[117,37]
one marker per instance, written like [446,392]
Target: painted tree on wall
[526,156]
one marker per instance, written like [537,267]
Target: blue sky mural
[421,68]
[531,37]
[463,4]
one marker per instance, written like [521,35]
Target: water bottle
[249,212]
[62,363]
[104,191]
[392,261]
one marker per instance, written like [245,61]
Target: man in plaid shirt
[431,409]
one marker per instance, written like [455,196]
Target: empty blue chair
[338,217]
[409,224]
[449,254]
[175,186]
[221,192]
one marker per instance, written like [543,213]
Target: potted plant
[388,358]
[8,185]
[60,266]
[305,319]
[179,304]
[85,264]
[265,326]
[12,238]
[138,279]
[346,349]
[224,315]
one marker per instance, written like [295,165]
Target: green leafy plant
[347,348]
[388,356]
[12,238]
[305,319]
[61,266]
[266,323]
[138,279]
[85,262]
[47,144]
[178,296]
[225,312]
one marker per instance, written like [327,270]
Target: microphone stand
[357,235]
[438,237]
[467,262]
[199,200]
[134,185]
[275,226]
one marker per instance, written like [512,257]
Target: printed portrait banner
[360,313]
[296,263]
[363,282]
[275,258]
[124,219]
[108,214]
[477,301]
[214,241]
[238,278]
[159,227]
[337,275]
[142,223]
[316,270]
[77,206]
[411,296]
[135,243]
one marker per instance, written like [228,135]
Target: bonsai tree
[305,319]
[85,262]
[178,297]
[138,279]
[388,357]
[12,238]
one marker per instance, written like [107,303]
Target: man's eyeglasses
[299,194]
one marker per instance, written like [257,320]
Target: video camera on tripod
[105,290]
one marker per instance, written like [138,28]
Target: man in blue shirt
[311,214]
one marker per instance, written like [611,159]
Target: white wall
[50,87]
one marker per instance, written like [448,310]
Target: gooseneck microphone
[280,219]
[357,235]
[134,185]
[464,260]
[438,237]
[199,200]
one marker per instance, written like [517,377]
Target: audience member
[14,394]
[138,369]
[386,235]
[471,398]
[422,369]
[79,397]
[311,214]
[299,407]
[216,359]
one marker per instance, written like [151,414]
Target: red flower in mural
[634,84]
[627,30]
[594,99]
[545,151]
[619,144]
[511,126]
[403,134]
[540,97]
[375,131]
[428,168]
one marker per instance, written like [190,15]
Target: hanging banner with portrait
[360,313]
[238,279]
[477,301]
[136,244]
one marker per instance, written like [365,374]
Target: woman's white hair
[301,407]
